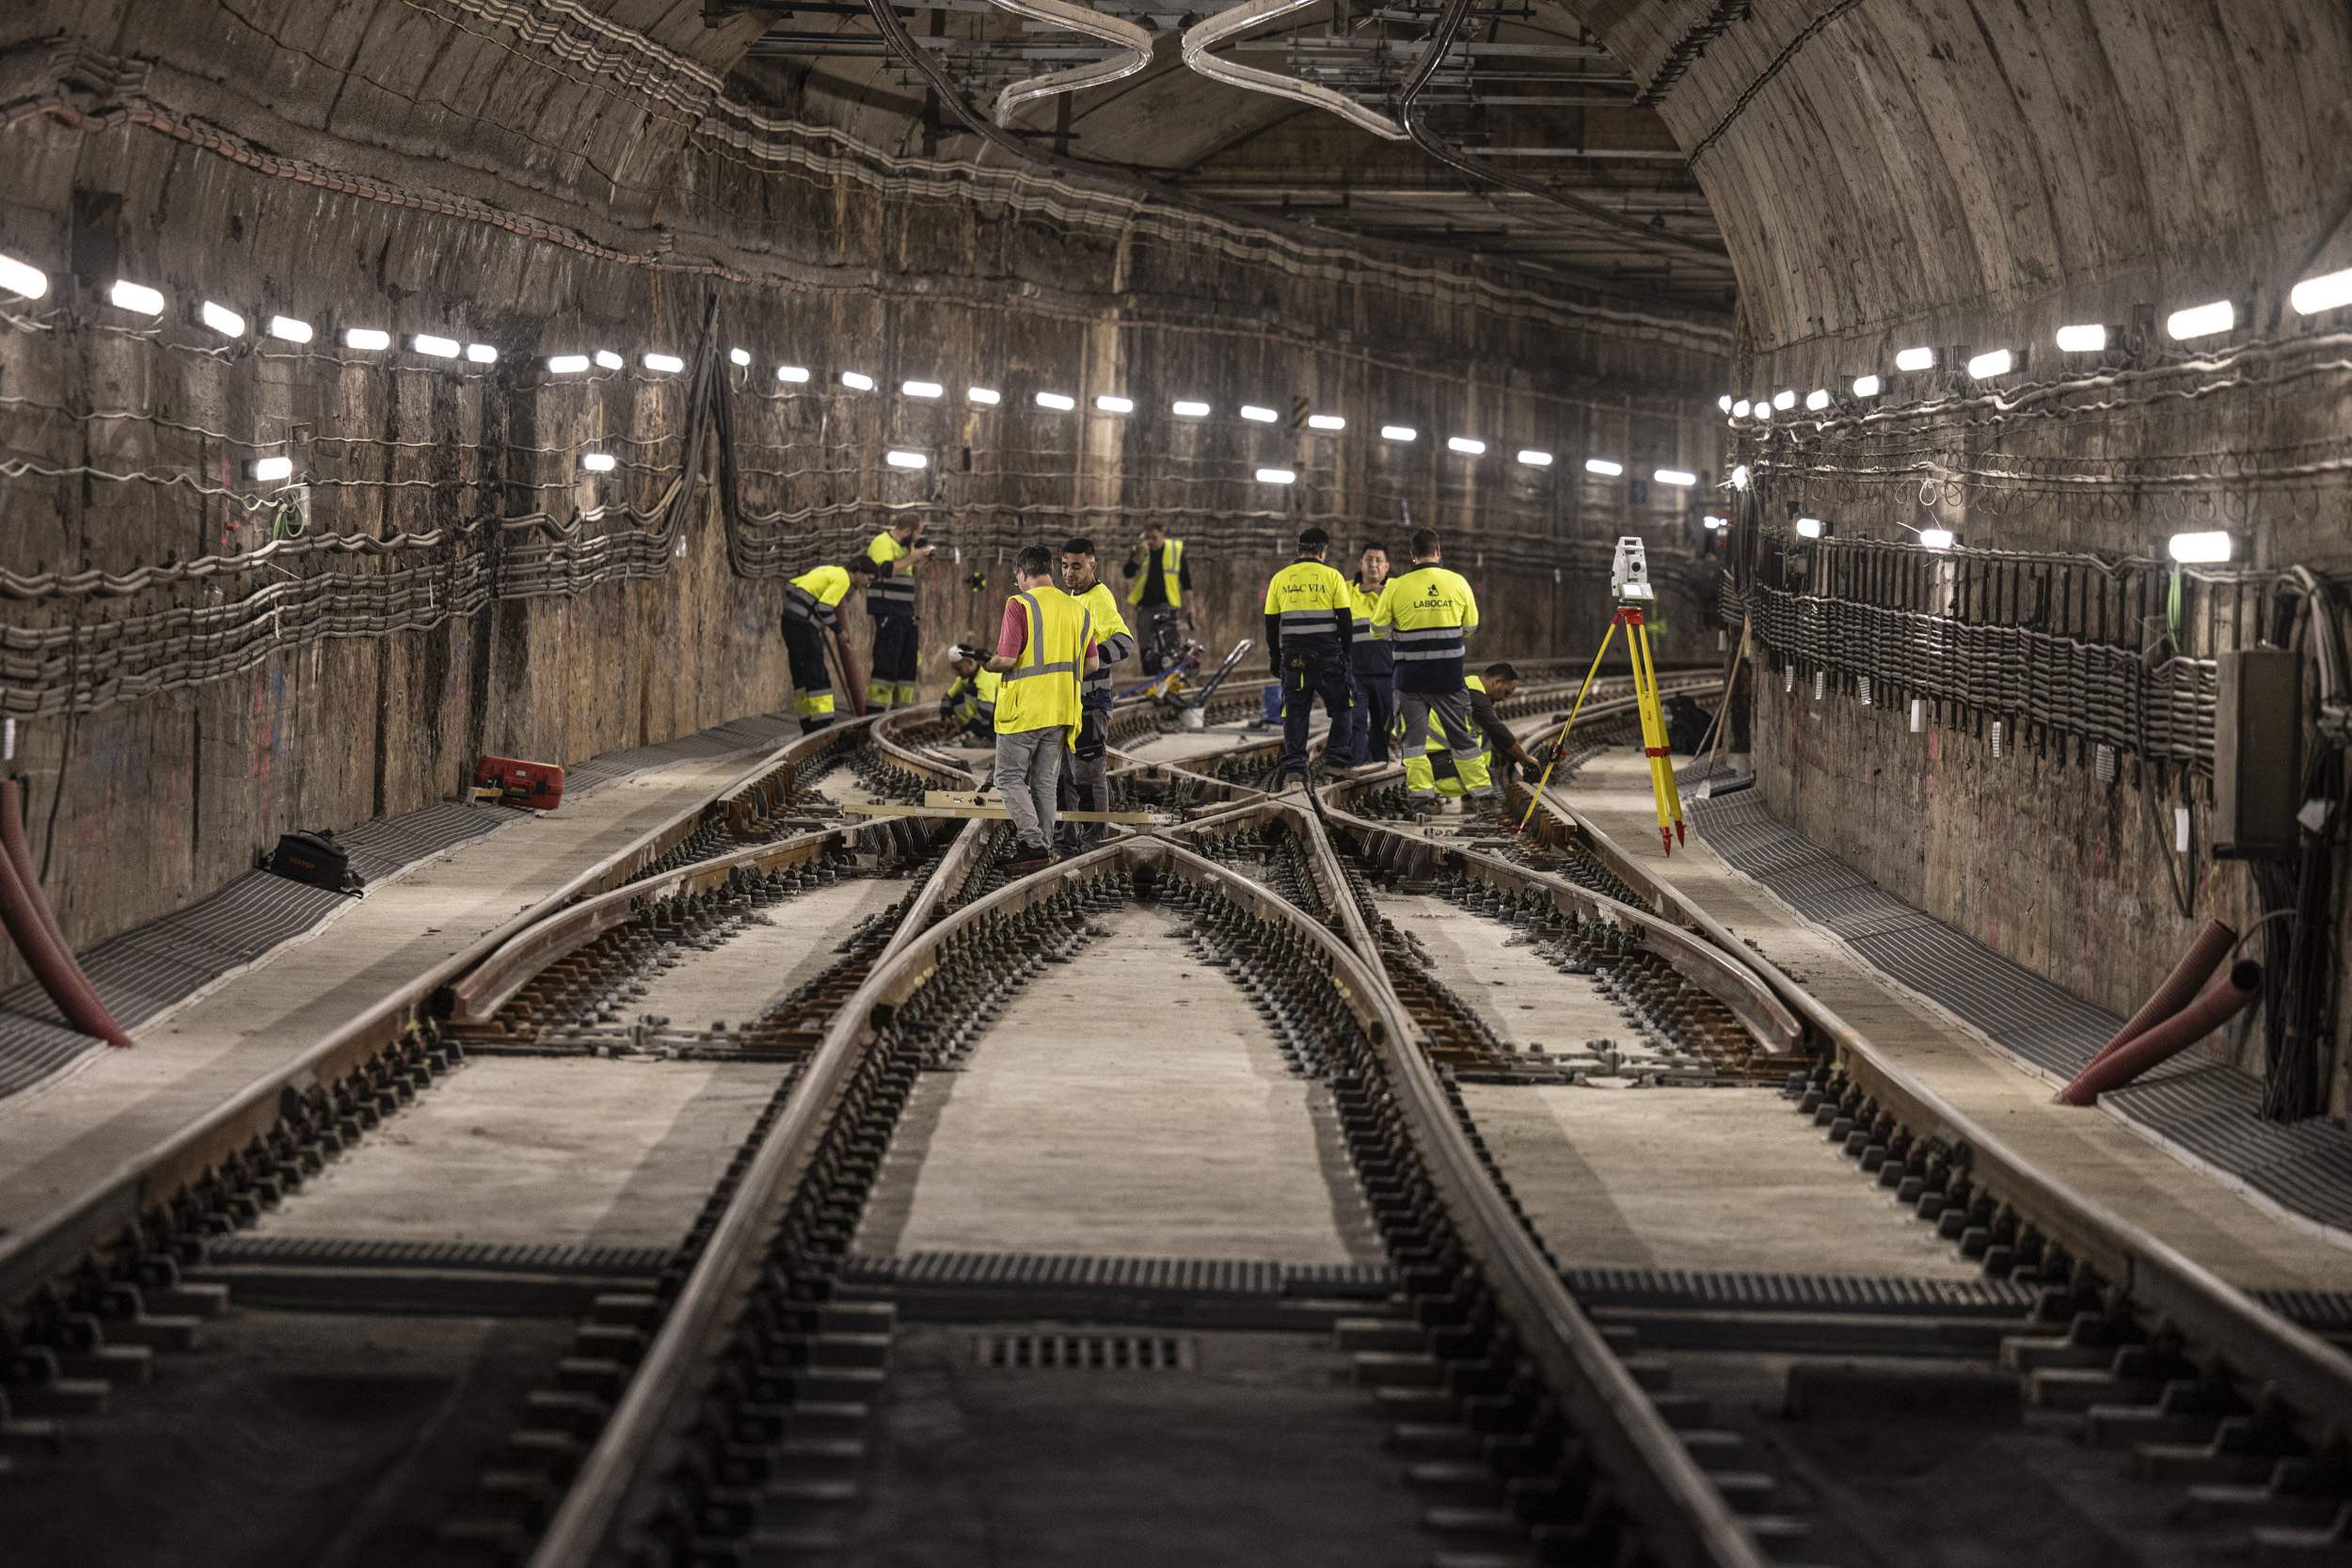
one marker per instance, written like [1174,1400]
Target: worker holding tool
[812,604]
[1308,630]
[1494,684]
[1086,784]
[1158,578]
[1429,613]
[1044,648]
[972,700]
[895,552]
[1372,668]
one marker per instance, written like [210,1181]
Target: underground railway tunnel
[533,1032]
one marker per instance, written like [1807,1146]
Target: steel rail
[113,1206]
[1686,1521]
[2306,1373]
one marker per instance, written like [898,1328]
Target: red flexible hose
[35,932]
[2215,1005]
[2180,987]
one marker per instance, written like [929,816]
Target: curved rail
[1685,1520]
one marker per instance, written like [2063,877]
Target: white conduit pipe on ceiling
[1207,34]
[1134,42]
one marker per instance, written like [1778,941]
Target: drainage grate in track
[516,1257]
[1189,1277]
[1797,1293]
[1084,1352]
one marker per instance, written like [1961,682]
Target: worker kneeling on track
[972,700]
[812,605]
[1086,784]
[1308,630]
[1044,648]
[1430,612]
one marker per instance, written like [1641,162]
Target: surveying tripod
[1629,583]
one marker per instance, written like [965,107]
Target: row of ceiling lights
[2329,291]
[2202,548]
[29,282]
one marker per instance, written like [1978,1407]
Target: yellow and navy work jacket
[1307,608]
[1371,655]
[813,594]
[1171,568]
[1040,692]
[892,592]
[1428,614]
[1113,641]
[972,698]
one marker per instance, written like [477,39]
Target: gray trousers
[1086,784]
[1452,711]
[1028,770]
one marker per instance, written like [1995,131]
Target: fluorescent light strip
[1984,367]
[1109,404]
[1816,400]
[136,297]
[1741,409]
[481,354]
[608,360]
[221,319]
[1277,476]
[437,348]
[738,358]
[1327,421]
[1061,403]
[1468,446]
[795,375]
[1261,416]
[1398,432]
[2199,549]
[1915,359]
[857,381]
[22,279]
[2089,337]
[290,329]
[1868,386]
[1785,399]
[1680,478]
[2202,321]
[1723,403]
[2329,291]
[1808,528]
[1534,457]
[567,364]
[986,397]
[1189,408]
[269,469]
[905,459]
[367,339]
[924,390]
[597,462]
[663,364]
[1712,521]
[1936,538]
[1603,466]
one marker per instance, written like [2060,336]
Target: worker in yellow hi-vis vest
[1044,649]
[1430,613]
[1308,630]
[898,640]
[812,604]
[1158,578]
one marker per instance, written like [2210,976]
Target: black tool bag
[315,859]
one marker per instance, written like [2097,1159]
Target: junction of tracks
[708,1173]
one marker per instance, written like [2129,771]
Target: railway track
[1465,1048]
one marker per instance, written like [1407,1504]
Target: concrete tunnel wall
[1968,176]
[546,181]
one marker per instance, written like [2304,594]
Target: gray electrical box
[2257,747]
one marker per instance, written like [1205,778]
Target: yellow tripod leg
[1653,729]
[1670,793]
[1560,745]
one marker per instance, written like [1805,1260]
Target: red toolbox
[511,780]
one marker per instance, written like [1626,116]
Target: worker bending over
[1372,668]
[1308,630]
[1434,767]
[972,700]
[1158,578]
[812,604]
[894,551]
[1086,784]
[1430,612]
[1044,648]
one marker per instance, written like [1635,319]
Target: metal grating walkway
[153,967]
[2206,1112]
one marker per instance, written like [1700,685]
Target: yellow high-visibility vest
[976,695]
[1041,690]
[1429,613]
[1113,641]
[892,594]
[811,596]
[1171,575]
[1308,597]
